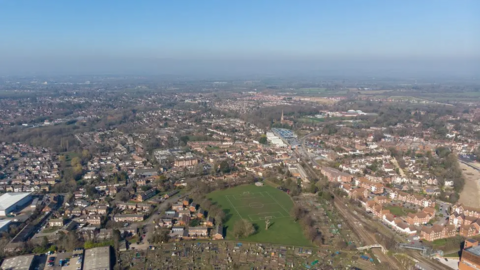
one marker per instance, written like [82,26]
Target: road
[444,212]
[149,224]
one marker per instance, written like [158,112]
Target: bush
[91,244]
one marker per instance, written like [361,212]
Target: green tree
[75,161]
[243,228]
[225,167]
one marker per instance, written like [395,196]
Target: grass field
[399,211]
[255,204]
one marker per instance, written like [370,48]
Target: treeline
[303,217]
[61,137]
[265,117]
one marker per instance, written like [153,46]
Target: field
[470,195]
[255,204]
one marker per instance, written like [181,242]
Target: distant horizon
[458,68]
[350,38]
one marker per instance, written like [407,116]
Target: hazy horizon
[349,38]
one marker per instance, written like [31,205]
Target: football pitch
[256,204]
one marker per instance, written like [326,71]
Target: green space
[399,211]
[256,204]
[439,242]
[311,120]
[51,229]
[455,254]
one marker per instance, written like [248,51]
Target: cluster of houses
[25,168]
[376,198]
[466,219]
[179,218]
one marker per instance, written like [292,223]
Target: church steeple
[281,118]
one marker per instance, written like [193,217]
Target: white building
[11,202]
[4,224]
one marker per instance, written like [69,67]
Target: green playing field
[257,204]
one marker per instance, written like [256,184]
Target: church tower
[281,118]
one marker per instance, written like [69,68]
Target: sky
[87,37]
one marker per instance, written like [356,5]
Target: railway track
[367,237]
[353,221]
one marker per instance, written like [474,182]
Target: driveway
[452,262]
[444,211]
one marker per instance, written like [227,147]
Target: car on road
[446,259]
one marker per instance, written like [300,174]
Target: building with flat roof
[470,259]
[4,225]
[10,202]
[18,263]
[97,259]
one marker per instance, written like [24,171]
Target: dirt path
[470,195]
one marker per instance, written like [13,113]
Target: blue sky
[87,32]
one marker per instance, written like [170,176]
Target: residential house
[94,220]
[197,231]
[128,218]
[209,222]
[177,206]
[178,232]
[218,235]
[466,210]
[146,195]
[56,222]
[418,218]
[437,232]
[335,175]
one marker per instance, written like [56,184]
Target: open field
[255,204]
[470,195]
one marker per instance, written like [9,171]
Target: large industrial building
[18,263]
[12,202]
[97,259]
[4,225]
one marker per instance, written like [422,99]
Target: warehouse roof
[9,199]
[4,223]
[97,259]
[18,263]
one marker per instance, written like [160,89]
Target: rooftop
[18,263]
[9,199]
[97,258]
[474,250]
[4,223]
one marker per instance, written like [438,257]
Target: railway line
[357,224]
[366,237]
